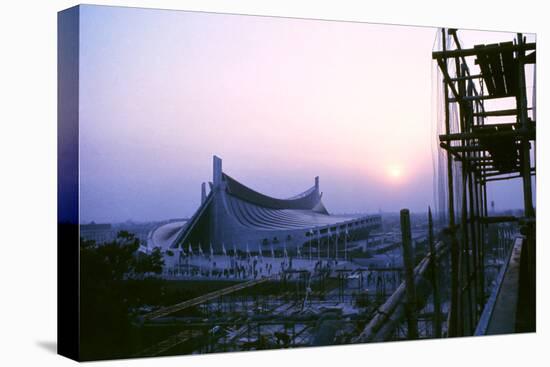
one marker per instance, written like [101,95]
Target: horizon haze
[280,100]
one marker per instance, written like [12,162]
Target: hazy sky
[279,100]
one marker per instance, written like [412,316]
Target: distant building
[233,215]
[100,233]
[140,230]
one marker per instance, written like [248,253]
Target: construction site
[464,270]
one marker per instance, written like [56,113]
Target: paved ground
[503,318]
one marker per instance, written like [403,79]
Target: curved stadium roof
[250,214]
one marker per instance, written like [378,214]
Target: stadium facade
[233,216]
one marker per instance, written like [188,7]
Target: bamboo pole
[392,309]
[471,256]
[434,278]
[464,255]
[521,102]
[453,243]
[529,229]
[408,262]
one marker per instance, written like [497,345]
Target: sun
[394,172]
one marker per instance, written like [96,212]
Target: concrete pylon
[317,183]
[217,171]
[217,223]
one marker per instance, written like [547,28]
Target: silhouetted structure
[481,148]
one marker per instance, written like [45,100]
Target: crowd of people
[228,267]
[248,267]
[240,266]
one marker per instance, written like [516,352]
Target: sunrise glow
[395,173]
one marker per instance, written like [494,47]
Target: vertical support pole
[521,102]
[408,261]
[473,278]
[479,233]
[465,256]
[485,228]
[529,229]
[448,131]
[455,291]
[346,243]
[465,251]
[337,237]
[310,239]
[318,244]
[435,282]
[477,213]
[328,243]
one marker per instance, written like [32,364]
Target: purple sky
[280,100]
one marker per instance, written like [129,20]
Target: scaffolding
[480,148]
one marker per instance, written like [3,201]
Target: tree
[115,279]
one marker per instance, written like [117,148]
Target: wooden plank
[497,72]
[461,149]
[490,166]
[467,77]
[509,68]
[481,328]
[480,159]
[502,178]
[503,315]
[473,51]
[509,112]
[492,134]
[483,61]
[501,126]
[477,98]
[499,173]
